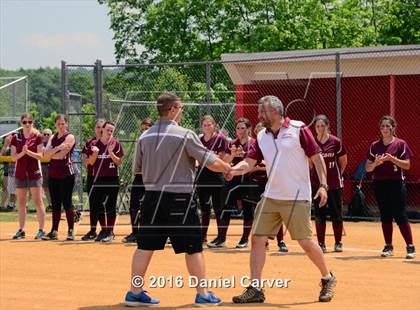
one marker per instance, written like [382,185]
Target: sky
[42,33]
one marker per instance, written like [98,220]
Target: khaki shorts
[271,213]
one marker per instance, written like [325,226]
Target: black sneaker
[108,238]
[388,250]
[411,252]
[70,235]
[243,243]
[10,207]
[327,289]
[283,247]
[52,235]
[338,247]
[131,238]
[102,234]
[249,295]
[218,242]
[20,234]
[323,247]
[89,236]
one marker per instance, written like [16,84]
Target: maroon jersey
[259,176]
[331,151]
[60,168]
[104,166]
[217,143]
[87,150]
[245,147]
[388,171]
[27,166]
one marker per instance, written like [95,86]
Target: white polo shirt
[286,155]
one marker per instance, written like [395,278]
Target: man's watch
[324,186]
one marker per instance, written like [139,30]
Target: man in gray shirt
[166,156]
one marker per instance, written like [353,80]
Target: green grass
[13,217]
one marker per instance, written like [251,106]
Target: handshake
[228,174]
[228,171]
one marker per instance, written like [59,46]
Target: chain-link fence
[13,102]
[353,87]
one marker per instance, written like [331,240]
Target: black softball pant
[210,192]
[391,198]
[104,199]
[136,194]
[61,191]
[239,189]
[334,207]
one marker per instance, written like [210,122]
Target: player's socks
[93,220]
[56,217]
[247,229]
[205,221]
[387,231]
[280,234]
[102,222]
[320,232]
[111,223]
[338,231]
[70,218]
[405,230]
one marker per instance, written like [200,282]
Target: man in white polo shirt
[286,146]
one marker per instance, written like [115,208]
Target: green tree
[185,30]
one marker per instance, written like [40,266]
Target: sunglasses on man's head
[27,122]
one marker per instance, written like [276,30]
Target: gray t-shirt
[166,154]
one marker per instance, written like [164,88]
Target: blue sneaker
[206,301]
[140,299]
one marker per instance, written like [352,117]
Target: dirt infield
[85,275]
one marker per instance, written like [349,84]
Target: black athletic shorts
[166,215]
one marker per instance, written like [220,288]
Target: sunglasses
[181,107]
[27,122]
[46,135]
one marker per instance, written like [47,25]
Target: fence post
[108,108]
[26,94]
[98,87]
[392,95]
[64,87]
[14,100]
[208,83]
[338,94]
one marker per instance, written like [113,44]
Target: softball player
[106,155]
[335,158]
[137,192]
[61,177]
[210,185]
[93,219]
[388,157]
[238,187]
[26,149]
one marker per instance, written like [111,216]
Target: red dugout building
[354,87]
